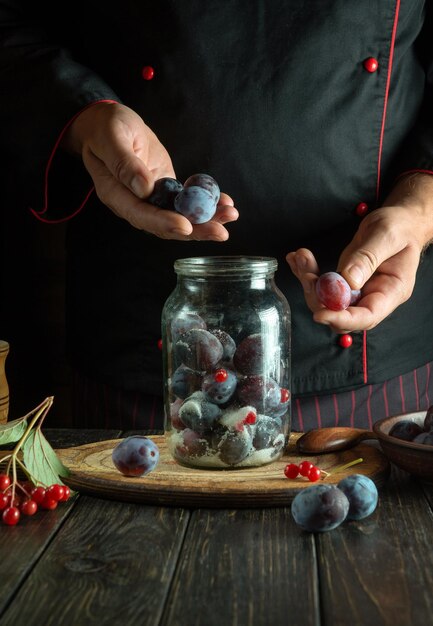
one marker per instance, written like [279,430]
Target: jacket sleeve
[417,152]
[42,89]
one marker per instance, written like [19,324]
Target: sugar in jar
[226,351]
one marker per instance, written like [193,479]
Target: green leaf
[41,460]
[12,431]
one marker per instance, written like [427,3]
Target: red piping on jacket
[379,158]
[39,214]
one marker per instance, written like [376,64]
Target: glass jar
[226,352]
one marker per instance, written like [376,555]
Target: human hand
[125,158]
[381,260]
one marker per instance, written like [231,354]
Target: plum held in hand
[196,204]
[334,292]
[164,193]
[362,495]
[135,456]
[320,508]
[206,182]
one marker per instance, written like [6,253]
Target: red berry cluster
[27,498]
[305,468]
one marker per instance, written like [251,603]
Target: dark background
[32,310]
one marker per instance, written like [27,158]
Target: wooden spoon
[321,440]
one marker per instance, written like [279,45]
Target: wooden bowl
[415,458]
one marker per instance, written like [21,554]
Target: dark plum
[320,508]
[426,437]
[262,393]
[198,414]
[333,291]
[282,406]
[249,355]
[199,349]
[219,386]
[193,444]
[362,495]
[184,322]
[176,422]
[185,381]
[206,182]
[164,193]
[196,204]
[405,429]
[227,342]
[266,432]
[235,446]
[135,456]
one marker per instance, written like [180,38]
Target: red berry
[38,494]
[28,507]
[250,418]
[220,375]
[16,501]
[5,481]
[66,494]
[4,501]
[48,504]
[27,485]
[11,516]
[305,467]
[55,492]
[314,474]
[285,395]
[291,470]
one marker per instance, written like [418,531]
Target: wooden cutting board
[171,484]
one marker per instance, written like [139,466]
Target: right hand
[125,158]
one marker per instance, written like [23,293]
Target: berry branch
[313,473]
[37,460]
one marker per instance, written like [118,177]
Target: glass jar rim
[237,265]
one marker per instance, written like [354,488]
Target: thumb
[122,162]
[361,258]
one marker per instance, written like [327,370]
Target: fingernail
[356,274]
[138,186]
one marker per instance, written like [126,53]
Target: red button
[361,209]
[148,72]
[345,341]
[159,344]
[371,64]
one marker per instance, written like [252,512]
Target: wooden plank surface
[93,472]
[97,561]
[21,547]
[244,567]
[112,563]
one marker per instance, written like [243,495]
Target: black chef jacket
[301,110]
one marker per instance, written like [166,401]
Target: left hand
[381,260]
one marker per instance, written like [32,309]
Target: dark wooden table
[95,561]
